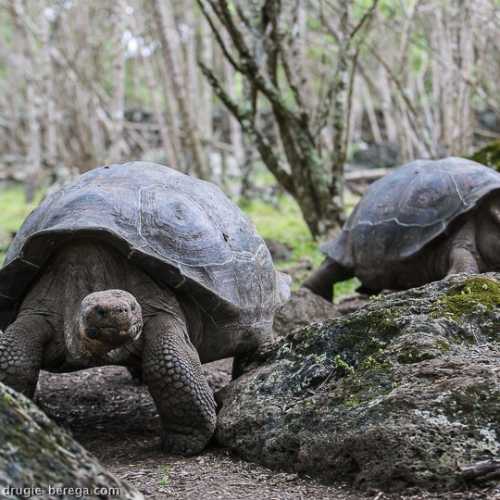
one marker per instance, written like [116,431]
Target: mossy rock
[404,392]
[470,297]
[489,155]
[35,455]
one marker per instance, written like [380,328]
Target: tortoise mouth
[114,336]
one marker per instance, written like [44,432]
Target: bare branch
[247,123]
[218,38]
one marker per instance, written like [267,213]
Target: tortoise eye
[92,333]
[100,311]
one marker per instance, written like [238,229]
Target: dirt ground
[115,418]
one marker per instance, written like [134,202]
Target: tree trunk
[116,148]
[171,47]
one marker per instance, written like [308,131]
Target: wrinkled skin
[471,245]
[90,307]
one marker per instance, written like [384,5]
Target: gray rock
[403,392]
[36,455]
[303,308]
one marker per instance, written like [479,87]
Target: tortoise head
[488,239]
[107,320]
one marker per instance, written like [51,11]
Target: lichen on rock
[36,455]
[403,392]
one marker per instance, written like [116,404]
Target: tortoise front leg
[172,371]
[21,352]
[322,280]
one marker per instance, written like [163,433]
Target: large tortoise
[421,222]
[141,266]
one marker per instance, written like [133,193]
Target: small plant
[165,479]
[342,366]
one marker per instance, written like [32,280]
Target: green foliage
[489,155]
[284,223]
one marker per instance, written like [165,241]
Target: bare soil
[115,418]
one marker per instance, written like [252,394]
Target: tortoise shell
[184,232]
[407,209]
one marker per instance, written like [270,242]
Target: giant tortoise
[421,222]
[141,266]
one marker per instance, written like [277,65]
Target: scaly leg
[172,371]
[21,352]
[322,280]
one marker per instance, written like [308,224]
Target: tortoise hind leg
[462,261]
[172,371]
[463,252]
[22,347]
[322,280]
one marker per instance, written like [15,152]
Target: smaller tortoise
[421,222]
[141,266]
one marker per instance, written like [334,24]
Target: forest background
[292,107]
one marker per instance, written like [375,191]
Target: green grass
[13,211]
[13,207]
[165,480]
[284,223]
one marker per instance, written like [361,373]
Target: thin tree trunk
[171,47]
[34,152]
[169,138]
[117,145]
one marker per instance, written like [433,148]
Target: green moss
[489,155]
[442,345]
[374,363]
[414,350]
[341,365]
[415,355]
[369,331]
[353,401]
[373,378]
[355,338]
[468,297]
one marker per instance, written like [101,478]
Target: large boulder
[40,460]
[403,392]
